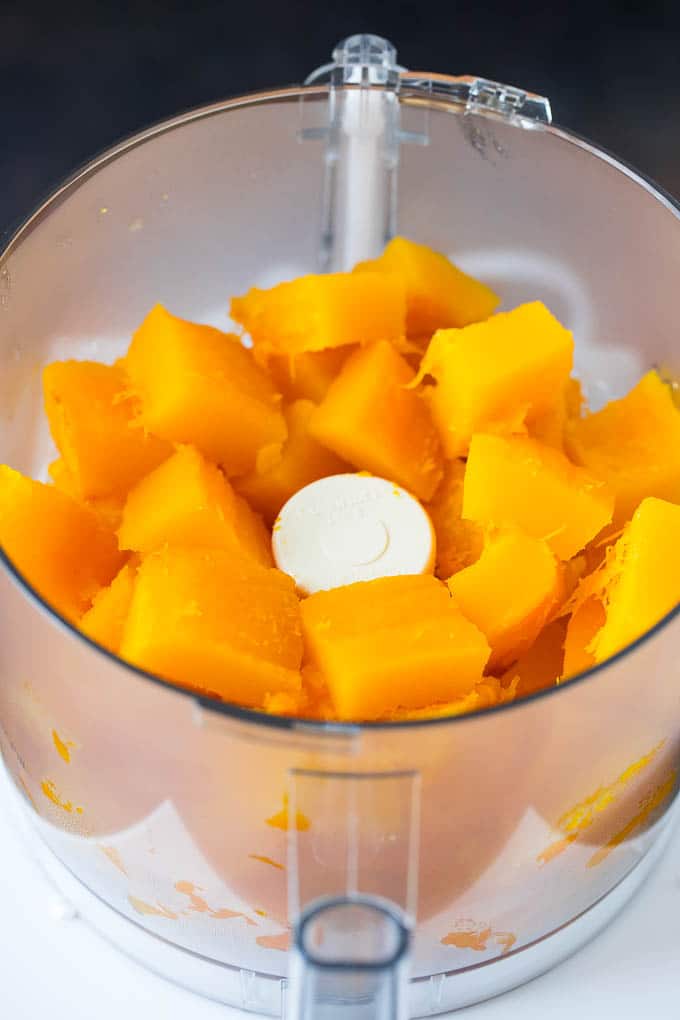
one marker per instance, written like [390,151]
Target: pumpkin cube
[60,546]
[583,625]
[392,643]
[105,620]
[540,666]
[496,376]
[307,376]
[372,419]
[108,508]
[215,623]
[95,423]
[550,426]
[520,483]
[509,593]
[647,582]
[459,542]
[187,501]
[200,386]
[300,461]
[316,312]
[633,444]
[438,294]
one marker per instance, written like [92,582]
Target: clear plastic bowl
[493,830]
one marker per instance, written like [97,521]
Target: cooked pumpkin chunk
[301,460]
[550,426]
[584,624]
[316,312]
[519,482]
[307,376]
[109,508]
[187,501]
[633,444]
[397,642]
[438,294]
[496,376]
[646,585]
[540,666]
[200,386]
[105,620]
[216,623]
[509,593]
[95,424]
[459,542]
[60,546]
[371,418]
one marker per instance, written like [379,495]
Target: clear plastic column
[349,962]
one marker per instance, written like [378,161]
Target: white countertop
[62,969]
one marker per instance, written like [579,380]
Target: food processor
[292,867]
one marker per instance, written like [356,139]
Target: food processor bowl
[196,833]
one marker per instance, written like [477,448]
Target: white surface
[52,966]
[349,528]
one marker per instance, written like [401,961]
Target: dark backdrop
[75,77]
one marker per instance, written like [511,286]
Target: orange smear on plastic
[281,820]
[267,860]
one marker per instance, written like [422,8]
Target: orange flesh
[521,483]
[200,386]
[509,614]
[558,530]
[372,419]
[496,376]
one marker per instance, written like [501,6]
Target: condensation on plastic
[178,815]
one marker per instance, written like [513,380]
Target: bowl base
[265,994]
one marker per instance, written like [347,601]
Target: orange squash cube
[215,623]
[300,461]
[187,501]
[459,542]
[105,620]
[633,444]
[393,643]
[496,376]
[316,312]
[550,426]
[372,419]
[583,625]
[438,294]
[647,582]
[200,386]
[307,376]
[108,508]
[540,666]
[60,546]
[520,483]
[509,593]
[95,423]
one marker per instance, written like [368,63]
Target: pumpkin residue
[280,820]
[49,790]
[579,818]
[199,905]
[267,860]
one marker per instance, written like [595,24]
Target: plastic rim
[223,707]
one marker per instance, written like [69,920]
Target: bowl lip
[228,709]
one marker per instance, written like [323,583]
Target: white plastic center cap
[349,528]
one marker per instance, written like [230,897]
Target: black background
[76,77]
